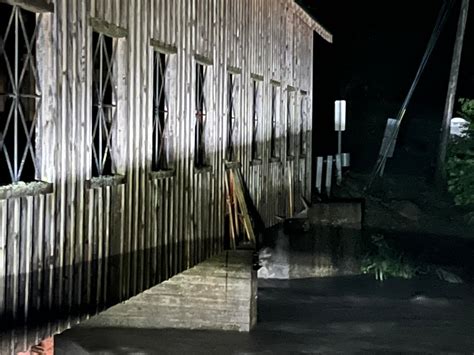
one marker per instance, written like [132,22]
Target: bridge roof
[301,11]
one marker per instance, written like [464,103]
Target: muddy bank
[295,250]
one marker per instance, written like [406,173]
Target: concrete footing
[320,252]
[325,243]
[218,294]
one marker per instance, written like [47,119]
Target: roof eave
[311,22]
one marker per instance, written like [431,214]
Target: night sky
[378,46]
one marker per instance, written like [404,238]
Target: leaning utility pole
[451,97]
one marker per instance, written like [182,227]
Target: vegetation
[460,162]
[384,260]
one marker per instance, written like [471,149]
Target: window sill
[38,6]
[25,189]
[290,158]
[104,181]
[274,160]
[203,169]
[232,165]
[256,162]
[162,174]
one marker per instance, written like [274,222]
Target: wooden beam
[163,47]
[234,70]
[233,165]
[203,60]
[275,82]
[451,96]
[256,77]
[22,189]
[104,181]
[39,6]
[108,29]
[162,174]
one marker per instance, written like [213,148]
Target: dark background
[378,46]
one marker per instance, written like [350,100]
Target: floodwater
[344,312]
[323,315]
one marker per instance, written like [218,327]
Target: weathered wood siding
[71,253]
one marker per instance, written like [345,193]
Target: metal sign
[389,137]
[339,169]
[319,174]
[345,160]
[340,115]
[329,175]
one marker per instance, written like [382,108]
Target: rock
[274,262]
[430,301]
[448,276]
[408,210]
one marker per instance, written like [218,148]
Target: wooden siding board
[3,256]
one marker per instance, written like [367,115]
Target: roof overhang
[312,23]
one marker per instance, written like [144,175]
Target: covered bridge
[117,121]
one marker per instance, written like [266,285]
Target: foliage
[460,160]
[467,109]
[384,260]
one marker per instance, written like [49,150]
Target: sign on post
[339,169]
[340,115]
[329,163]
[319,174]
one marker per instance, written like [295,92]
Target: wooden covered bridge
[117,121]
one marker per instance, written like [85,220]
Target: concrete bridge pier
[217,294]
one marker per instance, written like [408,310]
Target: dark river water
[348,314]
[344,312]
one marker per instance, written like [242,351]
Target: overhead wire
[440,23]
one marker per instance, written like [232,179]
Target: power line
[384,151]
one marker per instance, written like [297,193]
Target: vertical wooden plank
[155,246]
[27,256]
[108,217]
[3,257]
[82,157]
[13,266]
[88,248]
[115,248]
[142,41]
[172,228]
[49,262]
[129,251]
[62,167]
[99,246]
[38,242]
[122,239]
[96,215]
[72,80]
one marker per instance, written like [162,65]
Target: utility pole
[451,97]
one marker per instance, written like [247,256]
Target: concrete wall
[217,294]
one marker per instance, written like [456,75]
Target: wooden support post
[451,96]
[231,213]
[290,192]
[235,205]
[239,192]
